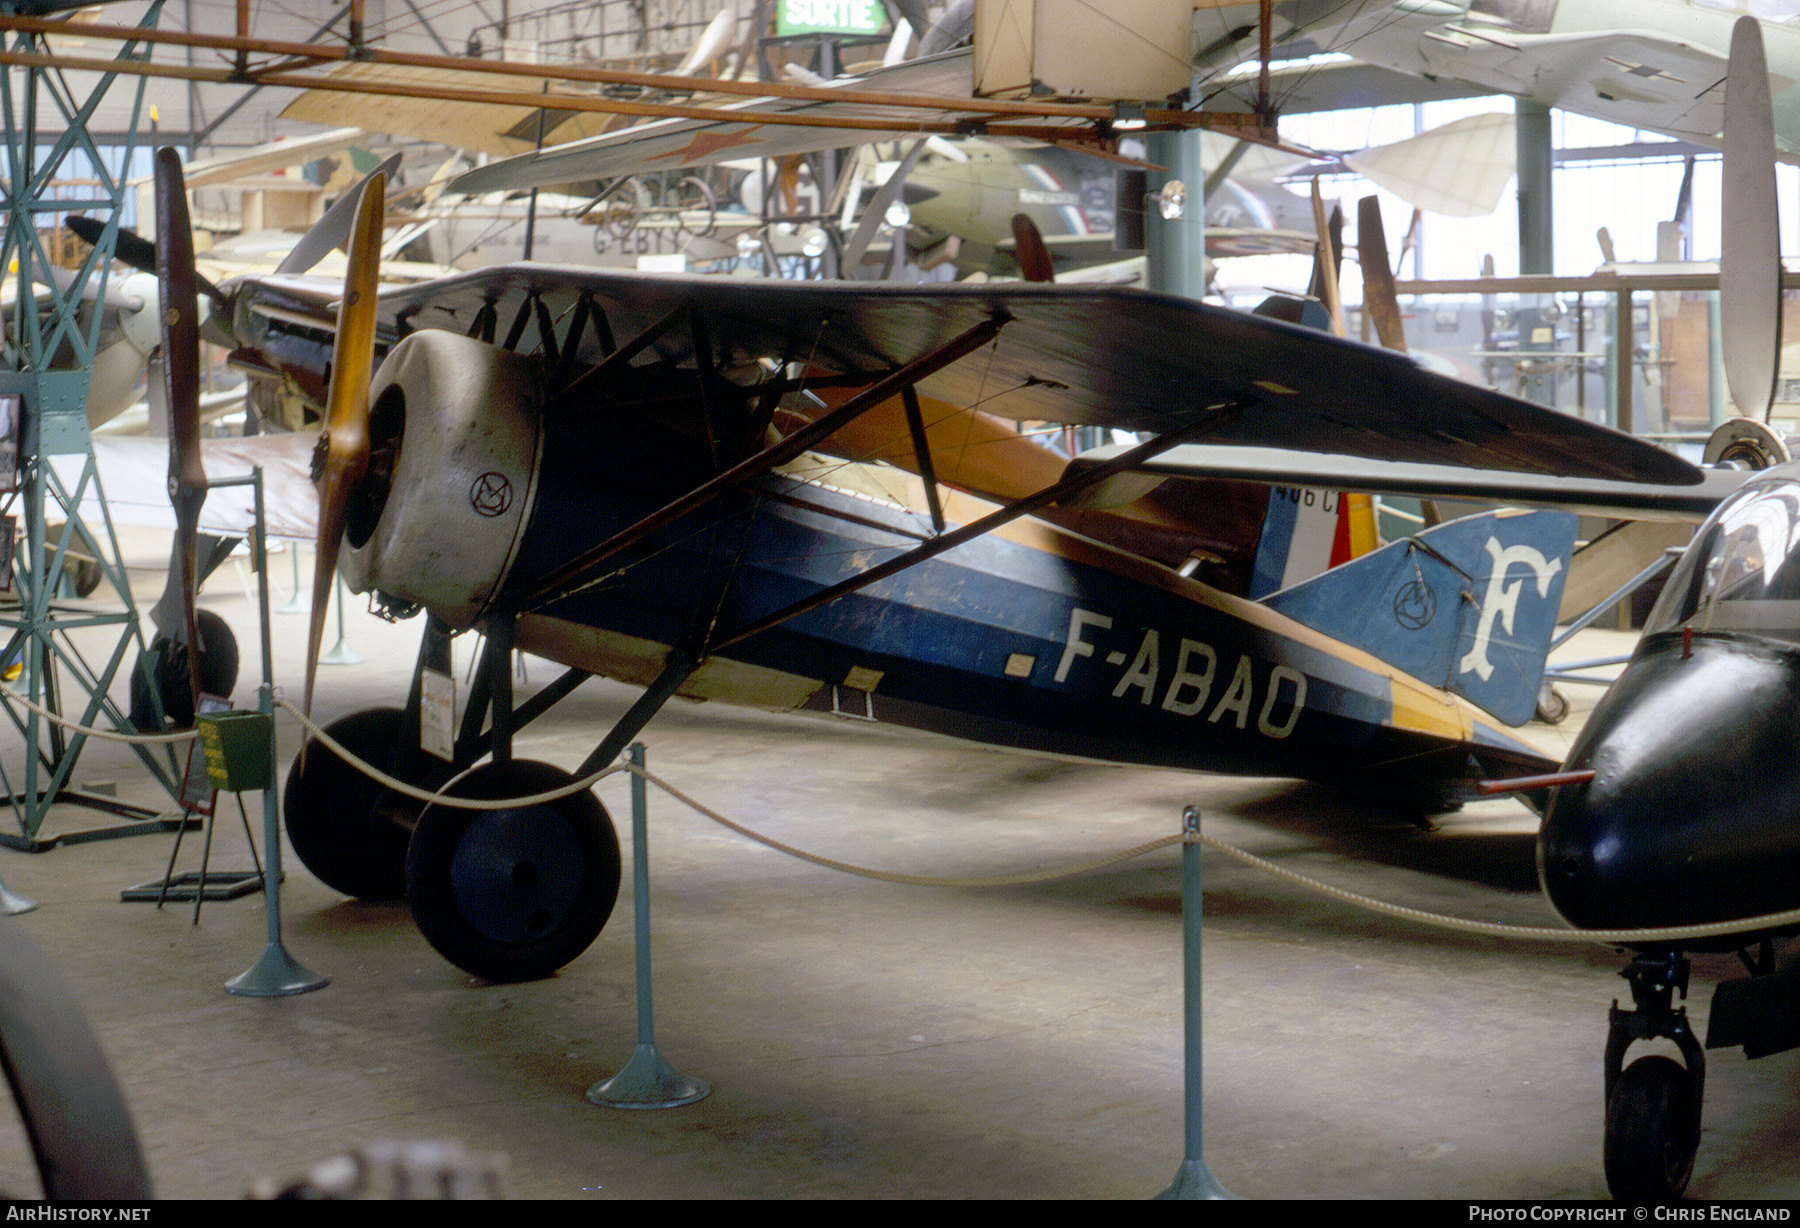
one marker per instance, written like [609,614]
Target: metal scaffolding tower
[46,356]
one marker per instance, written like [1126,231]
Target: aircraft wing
[497,128]
[667,144]
[1642,78]
[1619,500]
[1304,87]
[1089,355]
[1639,78]
[134,475]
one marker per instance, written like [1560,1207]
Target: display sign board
[830,17]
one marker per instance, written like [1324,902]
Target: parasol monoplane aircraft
[625,473]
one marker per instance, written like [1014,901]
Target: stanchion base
[1194,1182]
[648,1082]
[275,975]
[12,903]
[343,654]
[218,884]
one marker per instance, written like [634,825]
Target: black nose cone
[1693,814]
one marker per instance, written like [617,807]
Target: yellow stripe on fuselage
[1415,705]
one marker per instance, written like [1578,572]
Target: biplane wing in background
[633,475]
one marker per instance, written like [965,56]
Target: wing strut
[560,583]
[915,422]
[1126,461]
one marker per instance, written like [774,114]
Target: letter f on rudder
[1501,600]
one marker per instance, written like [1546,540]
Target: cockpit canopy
[1742,572]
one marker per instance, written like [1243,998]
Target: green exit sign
[830,17]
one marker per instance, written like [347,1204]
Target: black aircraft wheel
[218,675]
[1652,1131]
[349,830]
[85,574]
[68,1099]
[513,895]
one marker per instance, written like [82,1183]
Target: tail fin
[1306,532]
[1468,606]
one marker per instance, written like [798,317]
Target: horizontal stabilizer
[1468,606]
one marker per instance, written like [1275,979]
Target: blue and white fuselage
[1029,637]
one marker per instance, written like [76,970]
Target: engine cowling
[456,429]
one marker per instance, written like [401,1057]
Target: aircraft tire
[1652,1132]
[218,675]
[692,196]
[513,895]
[1552,706]
[350,831]
[68,1099]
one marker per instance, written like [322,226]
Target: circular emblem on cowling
[1415,605]
[491,494]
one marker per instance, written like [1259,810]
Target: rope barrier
[106,735]
[1525,933]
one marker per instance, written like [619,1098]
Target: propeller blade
[875,214]
[1750,260]
[1029,250]
[181,385]
[335,228]
[346,440]
[1379,297]
[128,247]
[133,250]
[1325,282]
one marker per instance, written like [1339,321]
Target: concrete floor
[872,1040]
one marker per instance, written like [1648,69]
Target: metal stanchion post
[275,973]
[294,605]
[646,1081]
[342,653]
[1193,1181]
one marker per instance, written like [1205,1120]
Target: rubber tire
[350,831]
[218,675]
[68,1099]
[1552,706]
[1652,1132]
[513,895]
[693,196]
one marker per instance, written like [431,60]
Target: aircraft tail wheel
[1745,443]
[349,830]
[1652,1131]
[70,1104]
[1552,705]
[513,895]
[218,674]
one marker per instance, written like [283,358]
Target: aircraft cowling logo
[1501,601]
[1415,605]
[491,494]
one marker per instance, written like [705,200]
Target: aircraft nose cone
[1691,815]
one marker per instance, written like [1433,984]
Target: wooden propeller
[345,443]
[1030,250]
[177,288]
[1379,297]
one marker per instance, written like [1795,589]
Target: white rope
[1524,933]
[1527,933]
[439,797]
[108,735]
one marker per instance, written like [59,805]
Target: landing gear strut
[1653,1105]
